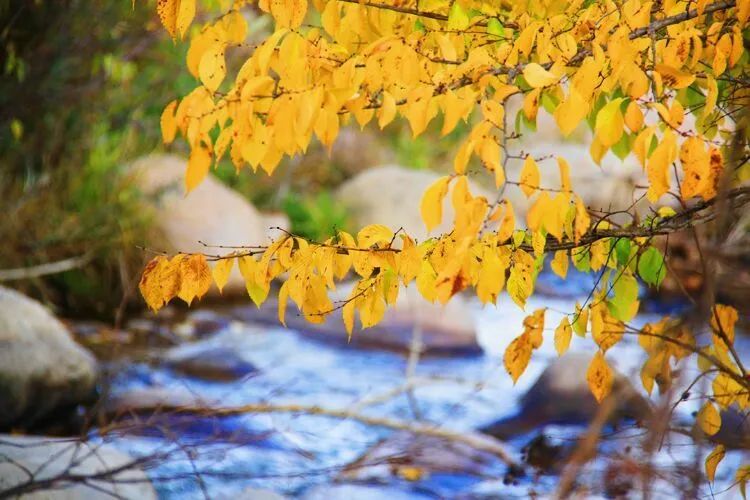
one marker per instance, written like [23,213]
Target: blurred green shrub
[82,85]
[316,217]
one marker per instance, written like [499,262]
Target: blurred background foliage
[82,86]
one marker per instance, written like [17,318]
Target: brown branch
[476,440]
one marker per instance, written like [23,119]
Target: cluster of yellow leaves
[328,62]
[374,62]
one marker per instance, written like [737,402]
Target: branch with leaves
[665,82]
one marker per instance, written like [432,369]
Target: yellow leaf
[517,356]
[672,77]
[570,112]
[560,263]
[658,166]
[348,316]
[696,165]
[374,234]
[221,271]
[709,419]
[160,281]
[432,203]
[564,167]
[491,275]
[198,167]
[508,224]
[537,76]
[212,68]
[167,10]
[534,327]
[723,319]
[288,13]
[531,104]
[634,117]
[742,476]
[582,220]
[599,377]
[609,124]
[712,461]
[520,281]
[185,15]
[169,123]
[581,321]
[387,111]
[563,334]
[606,330]
[283,299]
[195,277]
[529,181]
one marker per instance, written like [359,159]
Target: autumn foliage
[662,81]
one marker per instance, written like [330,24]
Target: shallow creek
[301,455]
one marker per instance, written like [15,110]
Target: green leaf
[419,26]
[622,251]
[625,294]
[458,19]
[549,103]
[622,148]
[495,27]
[582,260]
[651,266]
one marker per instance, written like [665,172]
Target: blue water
[299,455]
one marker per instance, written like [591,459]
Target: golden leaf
[160,281]
[709,419]
[658,166]
[563,334]
[283,299]
[599,377]
[195,277]
[198,167]
[537,76]
[560,263]
[167,10]
[674,78]
[432,203]
[582,220]
[609,124]
[517,356]
[534,327]
[712,461]
[185,15]
[221,271]
[633,117]
[169,123]
[529,181]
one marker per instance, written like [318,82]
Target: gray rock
[41,367]
[403,452]
[391,195]
[68,470]
[561,396]
[208,362]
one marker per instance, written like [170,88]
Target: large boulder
[63,469]
[41,367]
[445,330]
[561,395]
[212,213]
[391,195]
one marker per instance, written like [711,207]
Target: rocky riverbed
[221,402]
